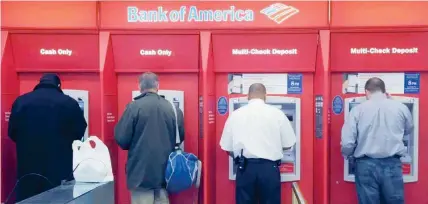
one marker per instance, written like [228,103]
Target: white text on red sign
[387,50]
[273,51]
[62,52]
[159,52]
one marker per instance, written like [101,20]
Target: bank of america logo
[279,12]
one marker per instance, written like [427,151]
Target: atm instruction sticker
[411,83]
[294,83]
[337,105]
[222,105]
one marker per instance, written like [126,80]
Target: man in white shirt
[257,134]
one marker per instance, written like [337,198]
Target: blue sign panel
[222,105]
[294,83]
[337,105]
[411,83]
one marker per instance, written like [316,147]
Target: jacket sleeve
[180,123]
[78,123]
[124,129]
[13,121]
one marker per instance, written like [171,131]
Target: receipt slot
[290,163]
[173,96]
[410,161]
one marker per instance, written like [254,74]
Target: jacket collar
[145,94]
[47,86]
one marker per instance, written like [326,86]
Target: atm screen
[351,169]
[238,105]
[351,164]
[177,104]
[409,106]
[352,105]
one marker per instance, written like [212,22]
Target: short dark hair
[148,80]
[375,84]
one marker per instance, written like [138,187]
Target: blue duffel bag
[183,169]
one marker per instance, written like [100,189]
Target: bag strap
[177,133]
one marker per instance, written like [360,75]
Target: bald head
[257,90]
[374,85]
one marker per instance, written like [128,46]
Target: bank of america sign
[279,12]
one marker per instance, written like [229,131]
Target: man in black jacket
[147,129]
[43,124]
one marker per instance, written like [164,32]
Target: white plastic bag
[91,164]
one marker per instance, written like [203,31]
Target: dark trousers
[259,182]
[379,181]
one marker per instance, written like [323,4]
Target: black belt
[253,160]
[367,157]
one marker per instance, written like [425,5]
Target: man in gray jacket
[147,129]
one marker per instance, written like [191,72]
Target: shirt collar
[378,95]
[255,100]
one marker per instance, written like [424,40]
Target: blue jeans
[379,181]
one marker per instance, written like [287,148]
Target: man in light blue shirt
[373,136]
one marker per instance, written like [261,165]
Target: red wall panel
[49,14]
[378,13]
[9,91]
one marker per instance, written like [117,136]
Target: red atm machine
[286,63]
[399,58]
[78,57]
[177,69]
[175,58]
